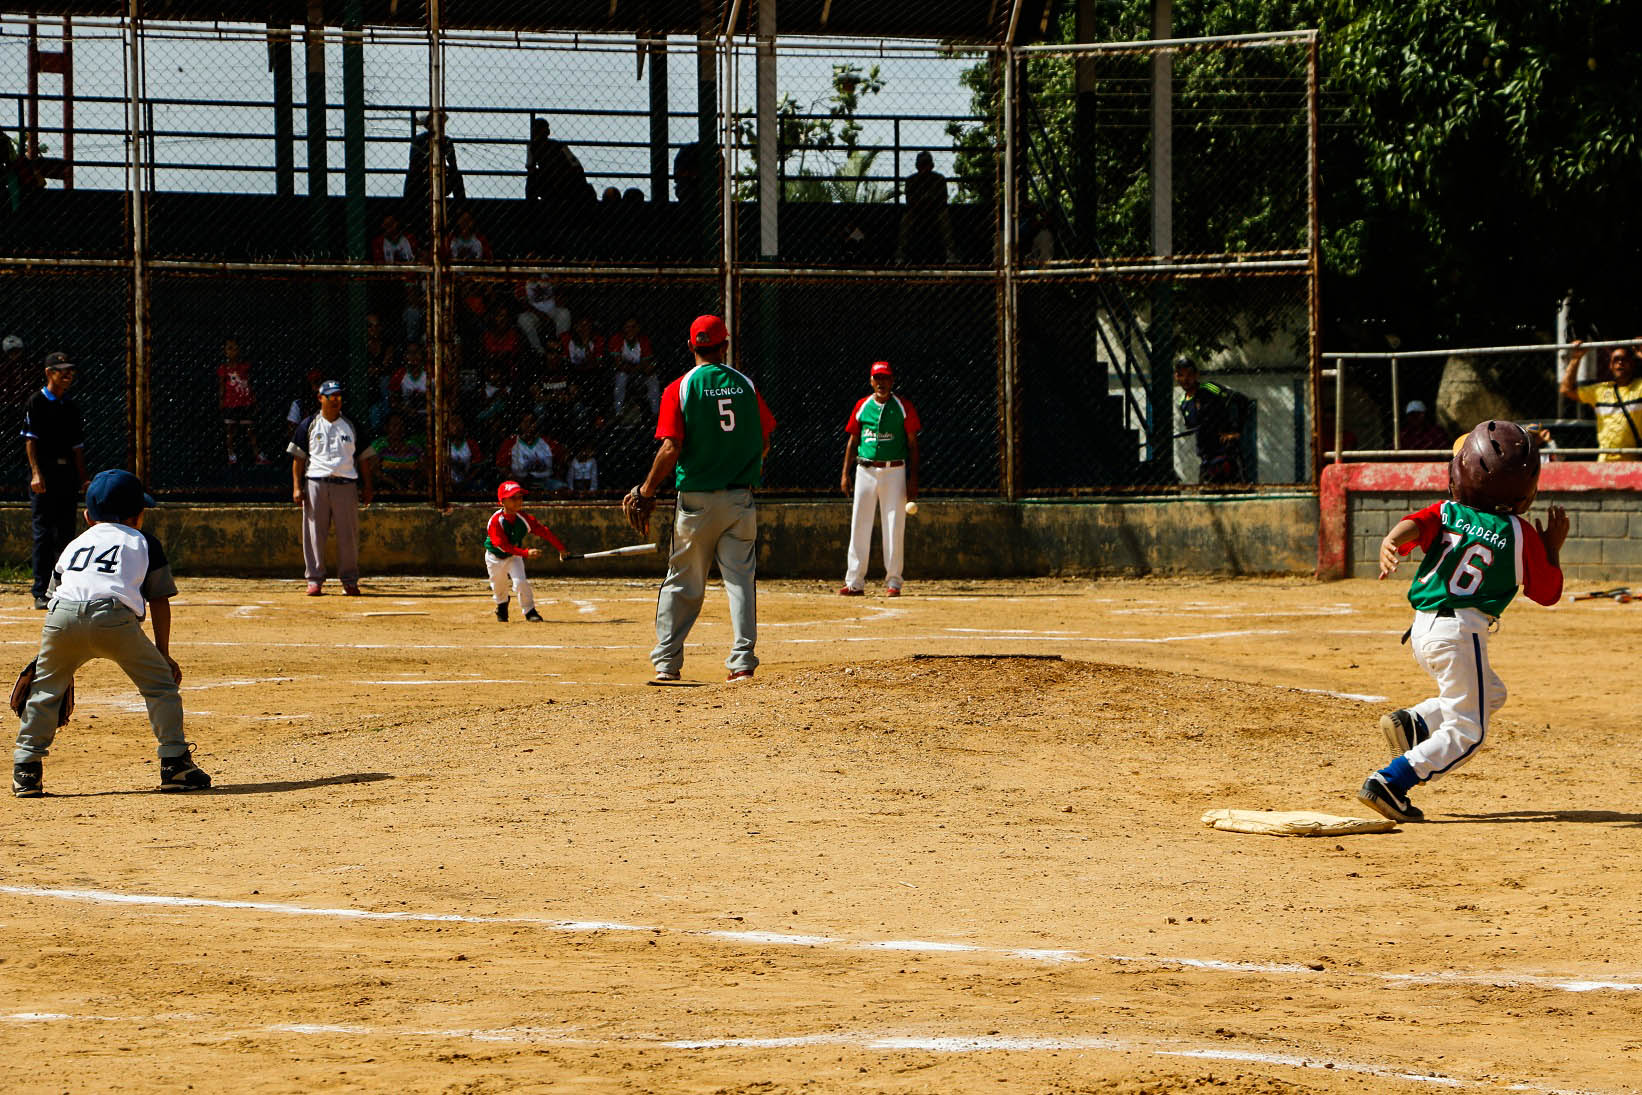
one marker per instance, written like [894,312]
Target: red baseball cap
[707,332]
[508,490]
[881,368]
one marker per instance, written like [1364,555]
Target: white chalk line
[1031,954]
[572,1038]
[1362,697]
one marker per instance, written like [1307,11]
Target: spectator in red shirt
[1418,431]
[238,401]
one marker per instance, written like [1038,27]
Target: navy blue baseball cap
[330,387]
[116,495]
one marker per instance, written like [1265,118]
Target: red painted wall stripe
[1339,480]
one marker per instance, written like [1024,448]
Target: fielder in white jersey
[882,451]
[105,583]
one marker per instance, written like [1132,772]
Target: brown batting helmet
[1495,468]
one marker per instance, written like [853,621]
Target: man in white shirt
[545,320]
[330,484]
[105,582]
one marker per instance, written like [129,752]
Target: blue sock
[1399,774]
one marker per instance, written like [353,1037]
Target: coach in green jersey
[714,431]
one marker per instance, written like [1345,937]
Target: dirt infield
[448,855]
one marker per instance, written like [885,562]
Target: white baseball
[912,507]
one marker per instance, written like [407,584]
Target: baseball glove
[637,508]
[23,686]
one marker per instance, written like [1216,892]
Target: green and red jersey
[505,534]
[884,429]
[1478,560]
[720,423]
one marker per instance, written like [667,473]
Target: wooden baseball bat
[1620,591]
[631,549]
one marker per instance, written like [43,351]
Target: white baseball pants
[885,489]
[1454,650]
[509,570]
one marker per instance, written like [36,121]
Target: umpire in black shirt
[55,442]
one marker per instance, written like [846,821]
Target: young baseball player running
[1477,552]
[103,585]
[504,554]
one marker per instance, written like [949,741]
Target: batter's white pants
[509,569]
[885,489]
[1454,650]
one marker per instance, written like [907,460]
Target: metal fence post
[138,331]
[1008,335]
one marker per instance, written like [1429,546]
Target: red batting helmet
[1495,468]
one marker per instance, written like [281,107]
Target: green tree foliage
[1477,158]
[818,143]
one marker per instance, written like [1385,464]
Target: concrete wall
[1232,535]
[1604,535]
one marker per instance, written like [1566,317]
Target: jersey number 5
[726,415]
[107,563]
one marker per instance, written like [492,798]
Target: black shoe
[1402,732]
[26,779]
[501,612]
[182,774]
[533,616]
[42,602]
[1379,796]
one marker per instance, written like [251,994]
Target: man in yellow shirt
[1618,402]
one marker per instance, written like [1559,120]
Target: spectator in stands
[1418,431]
[399,460]
[495,404]
[382,360]
[553,174]
[1036,241]
[1217,415]
[419,172]
[238,402]
[926,228]
[408,389]
[1618,400]
[610,196]
[696,171]
[583,347]
[530,457]
[464,463]
[635,365]
[545,318]
[396,247]
[465,242]
[502,342]
[584,469]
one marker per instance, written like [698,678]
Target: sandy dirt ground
[449,855]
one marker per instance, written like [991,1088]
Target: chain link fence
[484,231]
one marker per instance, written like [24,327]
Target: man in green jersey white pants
[714,431]
[882,451]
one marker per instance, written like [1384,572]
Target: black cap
[1184,361]
[59,360]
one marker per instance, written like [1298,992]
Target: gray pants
[330,503]
[76,632]
[721,525]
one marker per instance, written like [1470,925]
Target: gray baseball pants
[721,525]
[76,632]
[330,502]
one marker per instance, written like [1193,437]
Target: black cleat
[42,602]
[182,774]
[1402,732]
[26,779]
[501,612]
[1379,796]
[533,616]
